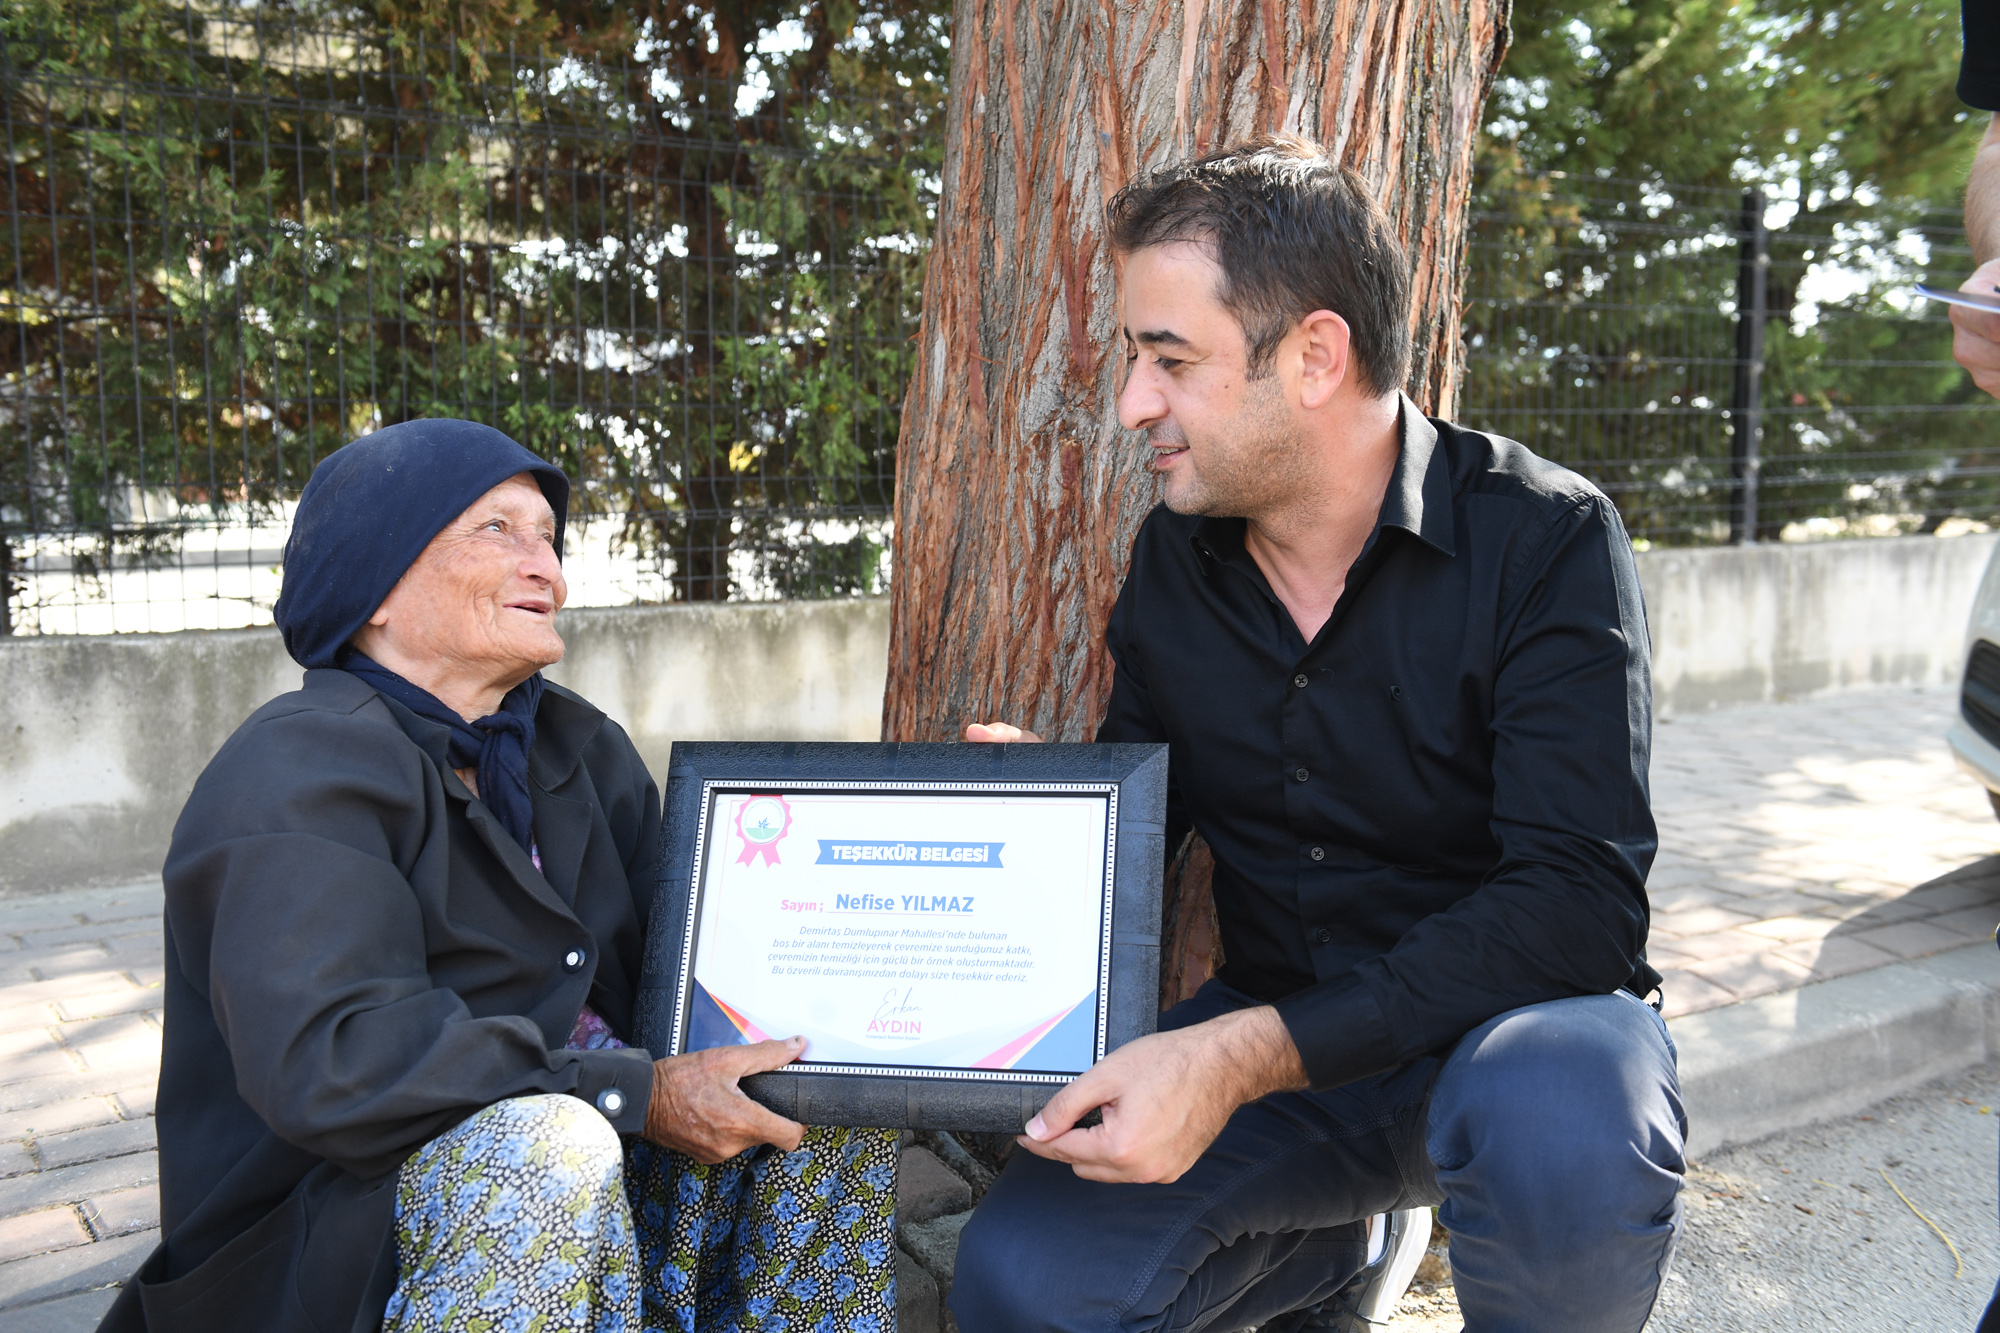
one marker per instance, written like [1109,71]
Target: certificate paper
[903,931]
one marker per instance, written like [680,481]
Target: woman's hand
[698,1110]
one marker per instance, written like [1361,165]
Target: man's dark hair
[1293,232]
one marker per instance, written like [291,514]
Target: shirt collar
[1419,495]
[1418,499]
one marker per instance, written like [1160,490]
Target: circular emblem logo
[763,820]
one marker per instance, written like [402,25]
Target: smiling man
[1402,670]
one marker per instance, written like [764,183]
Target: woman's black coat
[358,957]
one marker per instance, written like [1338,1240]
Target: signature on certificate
[895,1002]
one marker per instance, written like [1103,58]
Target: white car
[1975,736]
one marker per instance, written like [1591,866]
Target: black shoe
[1368,1301]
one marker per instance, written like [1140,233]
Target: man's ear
[1323,351]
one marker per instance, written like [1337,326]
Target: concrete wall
[1750,624]
[105,735]
[799,671]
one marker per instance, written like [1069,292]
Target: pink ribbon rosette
[762,822]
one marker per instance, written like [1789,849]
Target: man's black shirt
[1979,62]
[1437,811]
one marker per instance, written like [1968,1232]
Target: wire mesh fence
[1726,380]
[232,240]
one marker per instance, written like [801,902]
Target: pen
[1970,300]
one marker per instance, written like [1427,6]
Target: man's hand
[1975,344]
[999,733]
[698,1110]
[1166,1097]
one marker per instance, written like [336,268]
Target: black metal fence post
[1746,411]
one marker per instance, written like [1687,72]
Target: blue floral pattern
[531,1217]
[516,1222]
[769,1242]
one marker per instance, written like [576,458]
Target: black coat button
[1318,853]
[1302,775]
[1396,693]
[1299,680]
[1323,936]
[573,961]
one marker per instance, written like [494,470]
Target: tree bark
[1017,493]
[1190,937]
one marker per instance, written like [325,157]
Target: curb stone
[1833,1048]
[934,1245]
[937,1185]
[916,1296]
[926,1188]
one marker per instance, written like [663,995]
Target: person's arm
[1975,340]
[1982,197]
[1563,910]
[290,914]
[1165,1097]
[697,1107]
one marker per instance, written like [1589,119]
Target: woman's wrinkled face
[482,598]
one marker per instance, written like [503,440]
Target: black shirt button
[1396,693]
[573,961]
[1318,853]
[1323,936]
[1300,680]
[1302,775]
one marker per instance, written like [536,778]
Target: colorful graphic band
[1060,1042]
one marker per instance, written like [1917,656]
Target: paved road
[1860,1260]
[1801,1232]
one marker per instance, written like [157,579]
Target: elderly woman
[405,911]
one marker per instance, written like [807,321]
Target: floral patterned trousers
[533,1216]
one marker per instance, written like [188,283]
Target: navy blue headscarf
[367,513]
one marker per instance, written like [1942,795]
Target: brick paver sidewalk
[1800,841]
[80,981]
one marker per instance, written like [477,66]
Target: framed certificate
[956,930]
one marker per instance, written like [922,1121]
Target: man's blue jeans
[1551,1136]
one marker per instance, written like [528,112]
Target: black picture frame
[1135,775]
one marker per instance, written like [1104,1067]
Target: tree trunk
[1017,494]
[1190,938]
